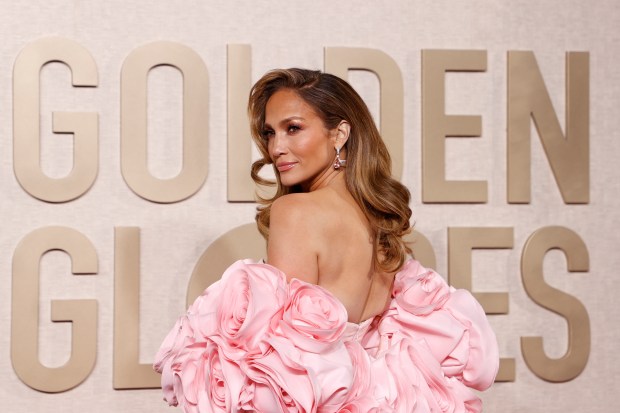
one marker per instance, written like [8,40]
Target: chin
[289,183]
[295,184]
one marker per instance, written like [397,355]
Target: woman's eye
[267,133]
[293,128]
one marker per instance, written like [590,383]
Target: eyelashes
[267,133]
[291,129]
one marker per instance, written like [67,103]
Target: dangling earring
[339,162]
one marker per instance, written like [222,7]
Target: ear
[341,133]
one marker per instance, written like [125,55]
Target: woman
[338,319]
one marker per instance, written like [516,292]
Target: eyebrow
[284,121]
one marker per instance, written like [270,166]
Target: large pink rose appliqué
[181,335]
[359,396]
[446,393]
[252,295]
[475,360]
[419,291]
[411,381]
[451,322]
[397,382]
[313,318]
[276,382]
[200,378]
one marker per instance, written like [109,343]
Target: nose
[277,145]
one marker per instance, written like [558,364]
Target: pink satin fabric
[253,342]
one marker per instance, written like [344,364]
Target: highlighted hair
[384,200]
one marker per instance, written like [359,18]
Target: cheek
[269,146]
[304,147]
[314,147]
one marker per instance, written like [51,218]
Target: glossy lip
[285,166]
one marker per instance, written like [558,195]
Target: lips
[285,166]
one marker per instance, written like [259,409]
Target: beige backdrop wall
[174,235]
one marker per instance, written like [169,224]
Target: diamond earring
[338,163]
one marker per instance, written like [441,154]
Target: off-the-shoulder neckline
[359,324]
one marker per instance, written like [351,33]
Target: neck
[329,177]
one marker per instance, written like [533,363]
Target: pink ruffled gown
[253,342]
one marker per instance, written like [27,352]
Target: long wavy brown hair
[384,200]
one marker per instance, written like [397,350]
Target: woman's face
[299,145]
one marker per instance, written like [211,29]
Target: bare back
[323,237]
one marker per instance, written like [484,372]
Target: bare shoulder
[303,208]
[294,239]
[292,206]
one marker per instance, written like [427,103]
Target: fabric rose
[458,335]
[414,381]
[331,373]
[352,407]
[200,379]
[181,335]
[475,360]
[418,290]
[442,332]
[397,382]
[252,295]
[452,323]
[201,314]
[359,398]
[373,340]
[313,318]
[449,394]
[178,374]
[277,382]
